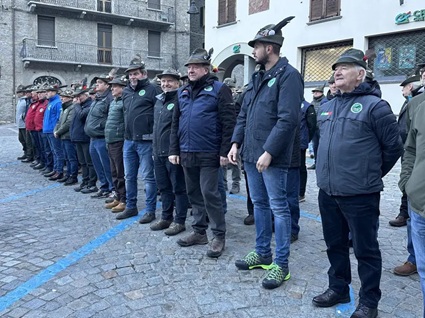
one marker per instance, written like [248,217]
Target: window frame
[226,15]
[102,51]
[315,5]
[46,42]
[104,4]
[152,53]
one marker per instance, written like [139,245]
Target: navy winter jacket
[270,114]
[359,142]
[78,121]
[308,124]
[98,113]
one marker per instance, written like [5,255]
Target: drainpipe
[175,36]
[13,60]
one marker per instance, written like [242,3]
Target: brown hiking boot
[399,221]
[406,269]
[175,228]
[216,247]
[112,204]
[193,239]
[119,208]
[160,225]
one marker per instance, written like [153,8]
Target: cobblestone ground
[63,255]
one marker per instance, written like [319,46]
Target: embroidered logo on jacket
[142,92]
[208,89]
[356,108]
[271,82]
[170,106]
[325,113]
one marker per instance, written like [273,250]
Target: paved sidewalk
[63,255]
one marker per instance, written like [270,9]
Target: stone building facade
[68,40]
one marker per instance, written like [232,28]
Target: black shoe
[56,177]
[147,218]
[249,220]
[89,189]
[330,298]
[33,164]
[80,187]
[294,237]
[39,166]
[45,170]
[365,312]
[49,174]
[128,213]
[26,160]
[71,181]
[63,179]
[21,157]
[100,194]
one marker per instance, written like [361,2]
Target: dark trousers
[70,154]
[116,159]
[222,187]
[201,171]
[315,142]
[22,139]
[249,205]
[48,155]
[359,215]
[38,154]
[303,173]
[292,193]
[172,187]
[88,173]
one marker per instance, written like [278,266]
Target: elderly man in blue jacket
[266,129]
[359,144]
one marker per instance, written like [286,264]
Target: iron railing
[139,9]
[78,53]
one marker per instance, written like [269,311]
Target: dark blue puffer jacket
[359,142]
[78,121]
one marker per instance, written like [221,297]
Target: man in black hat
[203,122]
[169,177]
[21,110]
[82,141]
[318,97]
[95,129]
[139,98]
[359,144]
[270,110]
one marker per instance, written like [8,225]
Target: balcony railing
[137,9]
[84,54]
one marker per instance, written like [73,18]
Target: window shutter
[332,8]
[154,43]
[222,12]
[46,31]
[154,4]
[231,11]
[316,9]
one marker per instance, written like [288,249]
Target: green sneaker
[253,260]
[275,276]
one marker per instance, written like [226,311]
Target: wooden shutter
[154,43]
[104,43]
[222,12]
[332,8]
[154,4]
[46,31]
[316,9]
[231,11]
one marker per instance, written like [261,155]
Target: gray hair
[358,69]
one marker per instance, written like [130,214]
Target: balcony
[131,13]
[88,55]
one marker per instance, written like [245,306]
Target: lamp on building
[193,9]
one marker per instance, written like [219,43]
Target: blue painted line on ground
[48,273]
[6,164]
[345,310]
[28,193]
[302,213]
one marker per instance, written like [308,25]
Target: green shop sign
[402,18]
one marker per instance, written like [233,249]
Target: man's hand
[233,154]
[224,161]
[55,134]
[264,161]
[175,160]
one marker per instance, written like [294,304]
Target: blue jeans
[56,147]
[100,159]
[292,192]
[139,154]
[418,238]
[70,157]
[411,258]
[47,152]
[268,194]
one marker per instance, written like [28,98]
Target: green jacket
[62,127]
[412,179]
[412,105]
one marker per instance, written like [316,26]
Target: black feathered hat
[200,56]
[271,33]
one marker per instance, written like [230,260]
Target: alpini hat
[331,80]
[136,63]
[411,79]
[67,93]
[231,82]
[271,33]
[120,80]
[320,88]
[353,56]
[20,88]
[169,72]
[200,56]
[79,90]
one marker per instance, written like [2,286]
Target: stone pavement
[63,255]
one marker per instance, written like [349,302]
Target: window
[322,9]
[226,11]
[202,17]
[256,6]
[154,4]
[104,43]
[395,56]
[154,43]
[317,61]
[104,6]
[46,31]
